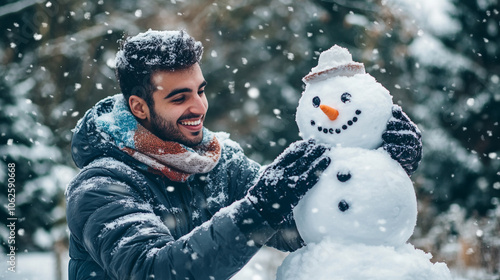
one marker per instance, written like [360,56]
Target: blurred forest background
[438,58]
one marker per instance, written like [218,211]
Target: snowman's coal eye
[343,205]
[346,97]
[343,177]
[316,102]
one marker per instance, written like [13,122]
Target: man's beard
[168,131]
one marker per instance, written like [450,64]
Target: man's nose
[199,105]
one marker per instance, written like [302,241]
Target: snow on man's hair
[141,55]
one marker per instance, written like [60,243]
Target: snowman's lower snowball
[336,261]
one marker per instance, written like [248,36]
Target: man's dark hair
[141,55]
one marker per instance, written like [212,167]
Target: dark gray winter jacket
[128,223]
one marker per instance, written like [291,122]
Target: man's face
[180,105]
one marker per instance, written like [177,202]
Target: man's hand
[287,179]
[402,140]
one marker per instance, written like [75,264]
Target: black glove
[402,140]
[284,182]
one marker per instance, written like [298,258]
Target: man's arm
[129,241]
[244,173]
[121,232]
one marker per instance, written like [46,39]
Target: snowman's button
[343,205]
[343,177]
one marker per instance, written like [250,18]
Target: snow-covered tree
[454,74]
[27,144]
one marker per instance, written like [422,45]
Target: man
[161,197]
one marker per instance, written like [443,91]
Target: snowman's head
[341,105]
[364,196]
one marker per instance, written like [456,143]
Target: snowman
[357,219]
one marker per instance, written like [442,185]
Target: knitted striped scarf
[172,159]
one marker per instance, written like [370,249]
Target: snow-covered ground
[34,266]
[42,266]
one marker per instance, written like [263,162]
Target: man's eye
[201,92]
[178,100]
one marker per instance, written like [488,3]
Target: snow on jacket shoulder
[127,223]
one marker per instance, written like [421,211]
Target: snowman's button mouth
[330,130]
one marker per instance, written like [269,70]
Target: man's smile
[191,123]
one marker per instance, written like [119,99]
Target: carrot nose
[330,112]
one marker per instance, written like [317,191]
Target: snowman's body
[329,260]
[357,219]
[364,196]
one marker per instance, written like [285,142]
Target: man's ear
[139,107]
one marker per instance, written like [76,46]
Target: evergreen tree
[27,144]
[457,104]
